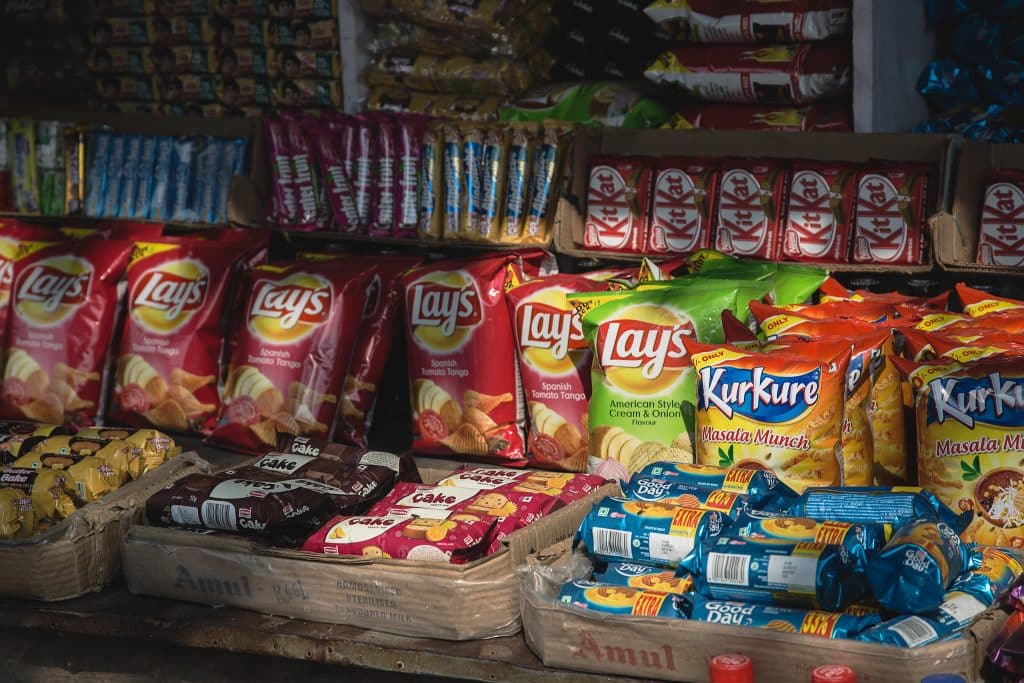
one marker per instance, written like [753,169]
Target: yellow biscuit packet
[17,518]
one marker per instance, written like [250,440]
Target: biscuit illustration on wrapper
[439,415]
[189,381]
[484,402]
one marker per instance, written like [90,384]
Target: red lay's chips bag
[462,368]
[554,362]
[63,308]
[170,351]
[292,345]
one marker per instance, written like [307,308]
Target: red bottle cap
[732,668]
[833,673]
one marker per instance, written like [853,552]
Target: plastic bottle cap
[833,673]
[944,678]
[732,668]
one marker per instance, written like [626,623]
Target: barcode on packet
[613,542]
[731,570]
[915,631]
[219,515]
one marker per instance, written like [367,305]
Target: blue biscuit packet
[112,186]
[863,541]
[946,84]
[761,487]
[130,177]
[620,599]
[647,488]
[144,176]
[917,566]
[895,506]
[776,617]
[183,166]
[811,575]
[232,163]
[643,576]
[649,533]
[96,173]
[160,206]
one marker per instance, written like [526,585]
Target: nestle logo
[53,287]
[291,304]
[170,293]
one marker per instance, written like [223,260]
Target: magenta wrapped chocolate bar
[1006,652]
[309,215]
[363,153]
[331,163]
[284,204]
[410,128]
[382,184]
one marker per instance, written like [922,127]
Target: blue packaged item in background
[130,176]
[160,198]
[946,84]
[620,599]
[911,631]
[776,617]
[811,575]
[1001,82]
[112,187]
[652,489]
[657,534]
[232,163]
[945,11]
[205,183]
[183,163]
[894,506]
[643,576]
[976,39]
[917,566]
[144,176]
[761,487]
[96,172]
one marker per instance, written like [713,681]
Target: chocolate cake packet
[835,625]
[19,437]
[613,599]
[403,465]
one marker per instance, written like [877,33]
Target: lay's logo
[284,311]
[545,327]
[48,292]
[757,394]
[990,399]
[434,304]
[165,298]
[649,347]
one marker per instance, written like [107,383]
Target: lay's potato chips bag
[970,441]
[790,283]
[641,408]
[778,411]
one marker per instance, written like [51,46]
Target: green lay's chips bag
[792,284]
[643,396]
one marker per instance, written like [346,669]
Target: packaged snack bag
[969,429]
[431,183]
[652,489]
[682,210]
[616,599]
[554,362]
[566,487]
[783,21]
[751,208]
[61,323]
[977,303]
[1002,223]
[618,203]
[829,116]
[544,181]
[644,577]
[893,207]
[641,409]
[381,322]
[831,290]
[516,198]
[170,350]
[761,487]
[776,617]
[790,284]
[779,411]
[462,368]
[820,212]
[292,344]
[53,493]
[892,506]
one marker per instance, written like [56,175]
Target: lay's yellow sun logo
[166,297]
[549,328]
[49,291]
[444,309]
[642,350]
[285,311]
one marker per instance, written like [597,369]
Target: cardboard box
[423,599]
[571,215]
[956,230]
[82,554]
[678,650]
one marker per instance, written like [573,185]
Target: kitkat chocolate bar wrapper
[292,345]
[1001,239]
[821,197]
[618,203]
[554,363]
[893,205]
[466,397]
[682,205]
[63,307]
[751,208]
[170,350]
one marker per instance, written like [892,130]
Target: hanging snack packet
[544,181]
[292,345]
[410,130]
[466,398]
[495,162]
[338,187]
[682,216]
[554,363]
[382,188]
[454,178]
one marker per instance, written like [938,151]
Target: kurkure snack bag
[170,351]
[970,441]
[831,290]
[977,303]
[642,405]
[64,302]
[554,363]
[463,379]
[291,346]
[778,411]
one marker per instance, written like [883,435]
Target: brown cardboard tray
[82,553]
[570,637]
[852,147]
[412,598]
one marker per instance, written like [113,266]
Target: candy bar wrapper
[544,182]
[285,192]
[830,116]
[382,187]
[347,129]
[751,208]
[24,177]
[204,183]
[454,179]
[363,155]
[159,207]
[893,205]
[618,203]
[682,205]
[820,212]
[430,184]
[411,129]
[115,162]
[74,171]
[183,167]
[232,163]
[1001,238]
[471,196]
[306,186]
[6,201]
[340,197]
[521,152]
[495,156]
[144,170]
[710,21]
[129,177]
[99,152]
[50,163]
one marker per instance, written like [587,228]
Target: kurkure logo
[642,351]
[549,328]
[166,297]
[444,309]
[991,400]
[285,311]
[50,291]
[756,394]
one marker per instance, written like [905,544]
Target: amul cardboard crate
[82,553]
[571,637]
[973,211]
[412,598]
[570,219]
